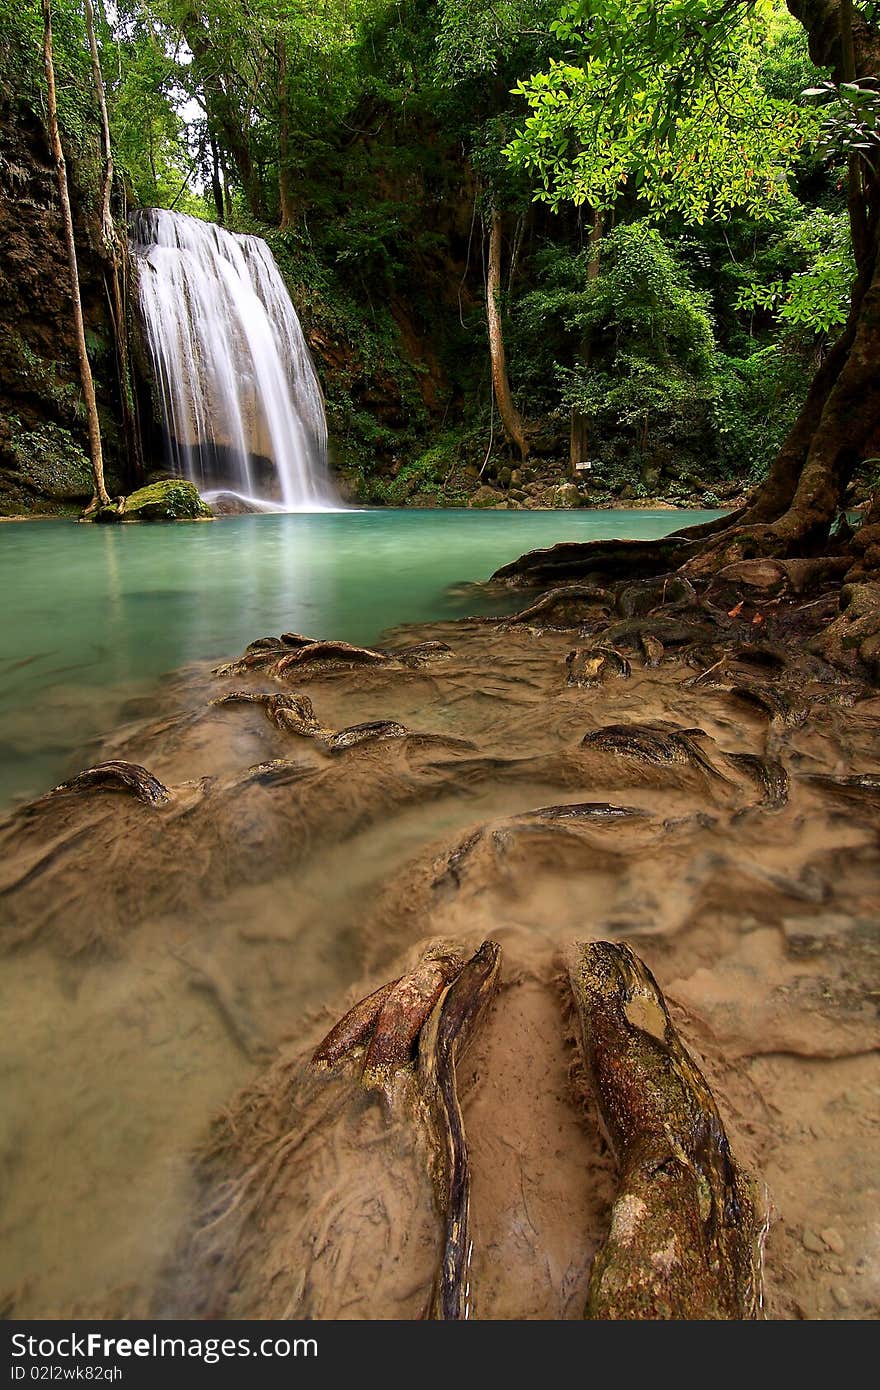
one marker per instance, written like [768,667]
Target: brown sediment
[687,1225]
[732,842]
[408,1136]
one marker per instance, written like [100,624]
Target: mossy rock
[485,497]
[172,499]
[565,495]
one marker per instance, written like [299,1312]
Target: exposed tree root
[113,777]
[590,667]
[295,714]
[441,1045]
[292,656]
[687,1226]
[405,1041]
[686,588]
[397,1021]
[653,743]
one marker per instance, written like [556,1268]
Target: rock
[840,1296]
[175,499]
[516,477]
[504,476]
[812,1242]
[227,504]
[51,462]
[484,497]
[566,495]
[834,1240]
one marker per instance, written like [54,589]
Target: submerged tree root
[343,1182]
[295,714]
[292,656]
[407,1013]
[687,1227]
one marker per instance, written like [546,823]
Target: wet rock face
[43,439]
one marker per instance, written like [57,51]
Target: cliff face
[44,464]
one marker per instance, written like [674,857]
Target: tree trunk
[847,430]
[510,417]
[285,195]
[107,229]
[115,253]
[100,491]
[222,110]
[216,185]
[579,439]
[839,422]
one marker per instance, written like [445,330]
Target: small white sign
[583,467]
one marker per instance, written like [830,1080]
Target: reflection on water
[96,613]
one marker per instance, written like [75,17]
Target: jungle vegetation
[636,233]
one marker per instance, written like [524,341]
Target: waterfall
[242,407]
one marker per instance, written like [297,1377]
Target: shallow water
[93,614]
[159,958]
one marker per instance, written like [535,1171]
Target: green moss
[50,461]
[40,376]
[431,479]
[172,499]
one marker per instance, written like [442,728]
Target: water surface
[94,614]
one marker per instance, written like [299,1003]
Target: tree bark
[838,421]
[107,228]
[88,386]
[510,417]
[216,185]
[285,194]
[115,253]
[223,113]
[579,439]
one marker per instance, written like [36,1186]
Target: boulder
[173,499]
[485,497]
[566,495]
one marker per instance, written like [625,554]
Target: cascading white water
[234,374]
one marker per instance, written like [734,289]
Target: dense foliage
[371,142]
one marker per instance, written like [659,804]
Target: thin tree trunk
[510,417]
[115,253]
[107,230]
[227,187]
[285,195]
[224,114]
[100,493]
[216,186]
[579,439]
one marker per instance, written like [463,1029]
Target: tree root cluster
[671,767]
